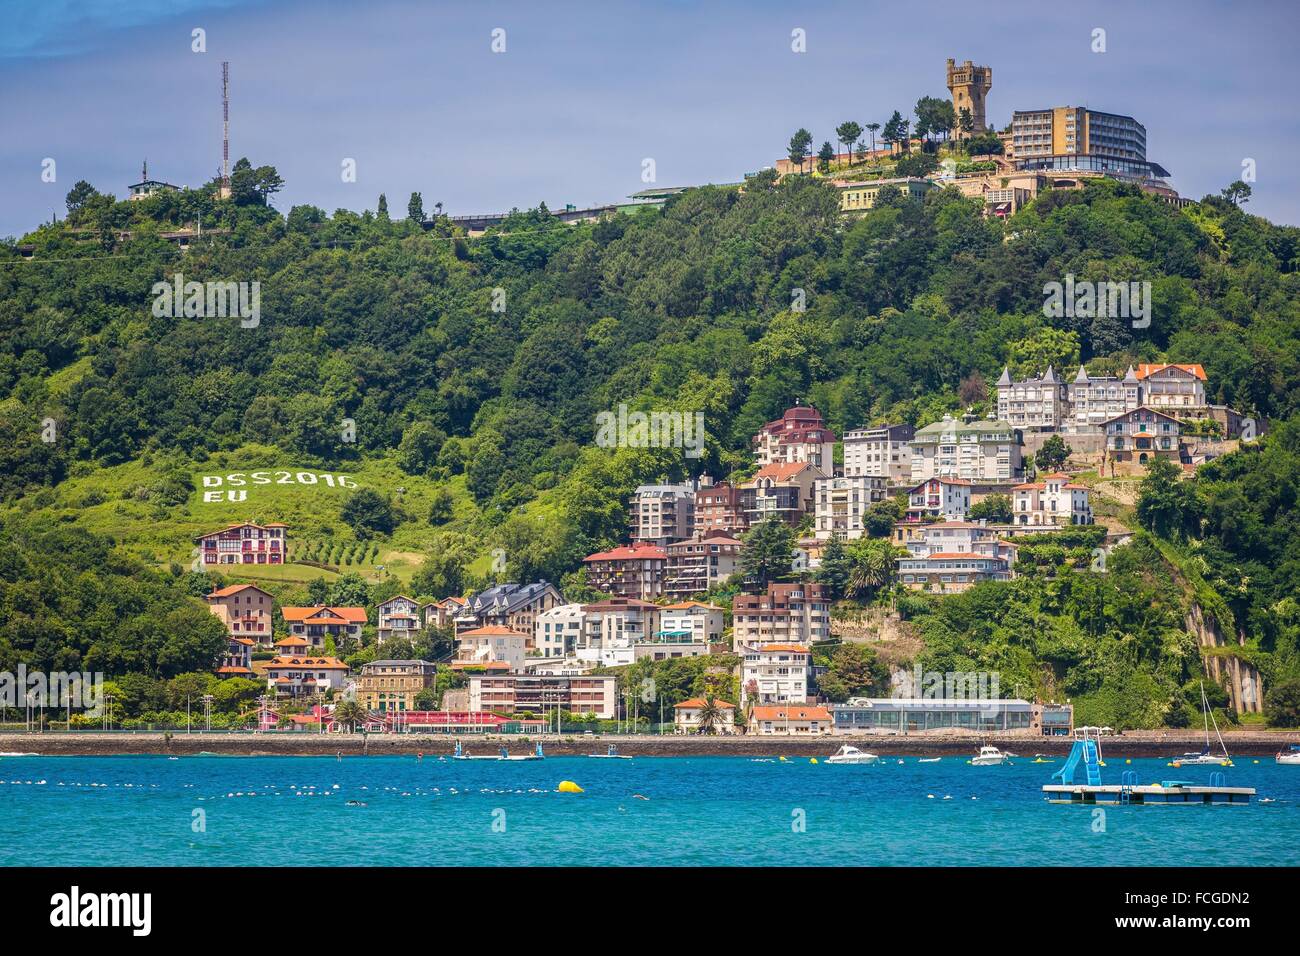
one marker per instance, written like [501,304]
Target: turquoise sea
[233,811]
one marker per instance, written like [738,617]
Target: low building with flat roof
[903,715]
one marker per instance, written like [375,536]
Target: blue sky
[411,90]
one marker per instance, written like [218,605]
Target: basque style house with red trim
[246,543]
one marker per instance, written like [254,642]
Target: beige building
[1037,403]
[951,556]
[783,614]
[880,452]
[661,514]
[698,564]
[245,610]
[544,694]
[393,685]
[691,620]
[1177,390]
[783,491]
[972,449]
[611,629]
[839,504]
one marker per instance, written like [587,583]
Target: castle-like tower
[969,85]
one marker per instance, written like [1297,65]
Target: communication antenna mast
[225,128]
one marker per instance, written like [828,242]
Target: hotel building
[799,435]
[393,685]
[544,694]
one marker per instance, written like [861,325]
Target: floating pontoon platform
[1169,792]
[1128,791]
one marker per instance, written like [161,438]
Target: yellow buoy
[812,759]
[782,759]
[1128,759]
[568,786]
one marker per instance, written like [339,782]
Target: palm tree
[871,569]
[351,713]
[710,715]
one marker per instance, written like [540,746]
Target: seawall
[1144,744]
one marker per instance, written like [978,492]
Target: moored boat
[851,755]
[990,756]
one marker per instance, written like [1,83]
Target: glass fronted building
[865,715]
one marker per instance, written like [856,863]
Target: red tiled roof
[492,630]
[234,589]
[791,712]
[781,470]
[648,552]
[353,615]
[699,702]
[1147,369]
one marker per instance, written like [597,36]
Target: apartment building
[660,514]
[719,510]
[244,610]
[393,685]
[1096,398]
[398,617]
[975,450]
[544,694]
[612,628]
[948,499]
[635,571]
[880,452]
[512,606]
[492,644]
[799,435]
[1050,501]
[783,613]
[774,673]
[782,491]
[839,504]
[557,631]
[1077,138]
[952,556]
[1136,437]
[698,564]
[315,624]
[295,676]
[1036,403]
[691,621]
[245,543]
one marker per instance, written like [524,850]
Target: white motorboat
[851,754]
[990,756]
[929,760]
[1289,757]
[611,753]
[1204,756]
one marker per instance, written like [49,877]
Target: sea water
[674,811]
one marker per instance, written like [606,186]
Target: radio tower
[225,130]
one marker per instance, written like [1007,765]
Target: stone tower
[969,85]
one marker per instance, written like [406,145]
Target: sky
[584,92]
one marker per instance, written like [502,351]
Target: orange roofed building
[294,675]
[245,610]
[245,543]
[798,435]
[790,720]
[314,624]
[628,572]
[686,717]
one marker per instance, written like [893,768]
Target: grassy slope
[165,534]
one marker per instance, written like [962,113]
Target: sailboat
[1205,757]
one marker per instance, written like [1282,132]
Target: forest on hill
[472,372]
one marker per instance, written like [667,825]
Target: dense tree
[1053,454]
[768,551]
[368,513]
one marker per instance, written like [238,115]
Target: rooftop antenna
[225,129]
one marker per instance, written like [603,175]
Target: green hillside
[470,372]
